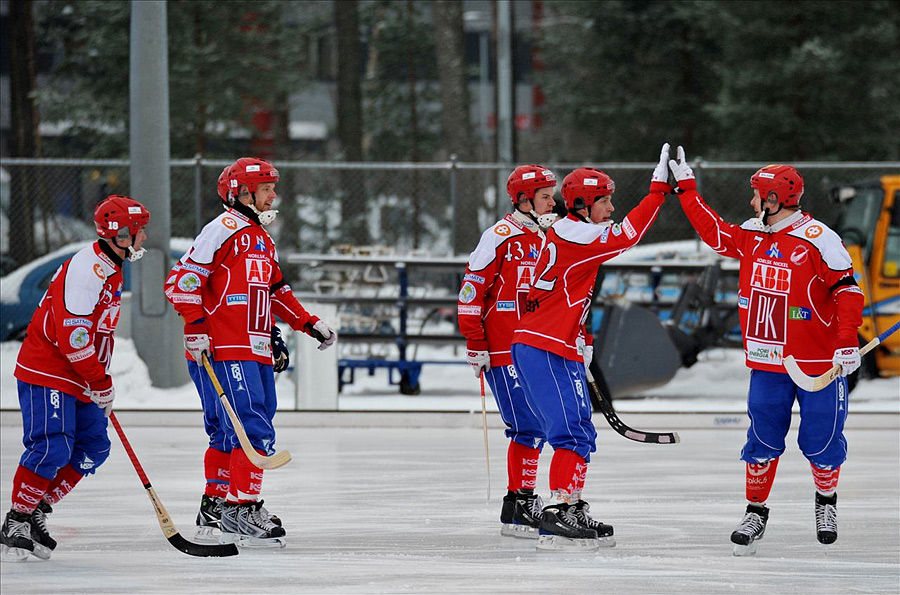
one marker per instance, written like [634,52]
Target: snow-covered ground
[717,383]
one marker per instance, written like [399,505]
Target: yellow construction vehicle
[869,224]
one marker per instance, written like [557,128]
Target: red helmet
[585,185]
[525,180]
[783,181]
[120,216]
[222,184]
[250,172]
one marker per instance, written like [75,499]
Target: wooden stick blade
[810,384]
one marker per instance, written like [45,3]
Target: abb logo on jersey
[770,277]
[258,271]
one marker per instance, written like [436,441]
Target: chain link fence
[431,208]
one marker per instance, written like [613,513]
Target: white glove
[588,355]
[479,360]
[661,173]
[103,394]
[680,169]
[196,340]
[196,344]
[847,358]
[327,335]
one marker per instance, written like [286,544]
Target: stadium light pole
[155,328]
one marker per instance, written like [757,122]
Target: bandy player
[491,301]
[797,296]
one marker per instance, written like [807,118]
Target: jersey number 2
[541,282]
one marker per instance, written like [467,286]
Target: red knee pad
[760,478]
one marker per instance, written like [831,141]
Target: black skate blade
[202,550]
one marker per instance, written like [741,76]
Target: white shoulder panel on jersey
[213,235]
[84,281]
[827,242]
[578,232]
[486,250]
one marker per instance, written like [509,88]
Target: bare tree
[24,120]
[450,49]
[349,115]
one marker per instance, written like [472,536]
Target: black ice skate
[605,533]
[16,543]
[522,517]
[209,519]
[267,514]
[560,530]
[750,530]
[826,518]
[43,543]
[245,525]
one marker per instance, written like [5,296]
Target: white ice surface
[401,507]
[403,510]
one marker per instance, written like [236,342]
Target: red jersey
[70,337]
[231,277]
[498,277]
[797,292]
[566,272]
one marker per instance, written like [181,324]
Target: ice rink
[396,503]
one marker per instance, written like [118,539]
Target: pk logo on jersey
[774,252]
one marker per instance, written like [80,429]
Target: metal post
[454,202]
[505,90]
[156,329]
[198,193]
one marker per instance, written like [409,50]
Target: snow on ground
[718,383]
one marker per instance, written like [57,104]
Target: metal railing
[439,208]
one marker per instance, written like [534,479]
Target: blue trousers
[556,390]
[522,423]
[213,414]
[250,389]
[60,430]
[822,416]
